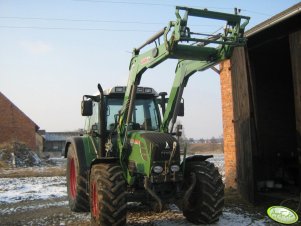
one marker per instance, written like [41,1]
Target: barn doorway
[275,161]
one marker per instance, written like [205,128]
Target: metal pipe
[215,69]
[151,39]
[153,194]
[102,123]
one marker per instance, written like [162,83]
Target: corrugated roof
[295,9]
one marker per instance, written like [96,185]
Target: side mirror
[86,108]
[162,101]
[181,109]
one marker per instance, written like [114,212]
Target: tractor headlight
[158,169]
[175,168]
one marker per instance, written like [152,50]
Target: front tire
[76,183]
[206,201]
[107,195]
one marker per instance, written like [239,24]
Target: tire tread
[111,188]
[207,199]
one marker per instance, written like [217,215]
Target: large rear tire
[206,201]
[76,183]
[107,195]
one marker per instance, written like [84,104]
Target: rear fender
[81,147]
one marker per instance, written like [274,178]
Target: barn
[16,126]
[261,104]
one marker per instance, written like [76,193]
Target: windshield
[145,116]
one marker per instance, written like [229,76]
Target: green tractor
[129,151]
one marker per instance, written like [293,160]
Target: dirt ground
[32,197]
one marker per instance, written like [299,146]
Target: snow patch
[21,209]
[14,190]
[239,217]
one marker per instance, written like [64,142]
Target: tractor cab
[146,114]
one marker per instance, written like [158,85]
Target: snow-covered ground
[14,190]
[43,201]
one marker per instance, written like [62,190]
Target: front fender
[198,158]
[194,158]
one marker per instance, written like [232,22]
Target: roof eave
[295,9]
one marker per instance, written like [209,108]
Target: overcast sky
[54,51]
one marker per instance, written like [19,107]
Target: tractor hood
[158,146]
[155,155]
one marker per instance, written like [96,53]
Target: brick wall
[228,126]
[15,126]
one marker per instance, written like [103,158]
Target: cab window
[145,114]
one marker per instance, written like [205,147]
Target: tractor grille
[161,145]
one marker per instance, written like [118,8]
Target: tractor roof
[121,90]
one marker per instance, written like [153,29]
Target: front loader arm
[184,69]
[194,54]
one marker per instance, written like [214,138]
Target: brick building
[15,126]
[261,105]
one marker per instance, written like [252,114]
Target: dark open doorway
[275,162]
